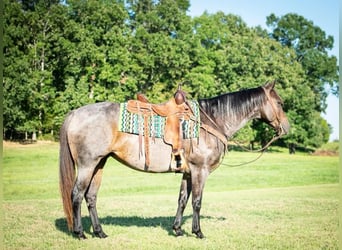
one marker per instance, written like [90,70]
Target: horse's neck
[234,124]
[227,120]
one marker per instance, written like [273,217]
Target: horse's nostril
[284,128]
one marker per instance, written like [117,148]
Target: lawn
[280,201]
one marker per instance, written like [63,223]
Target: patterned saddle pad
[134,123]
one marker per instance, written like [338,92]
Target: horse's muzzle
[284,128]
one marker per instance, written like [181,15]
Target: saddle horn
[180,95]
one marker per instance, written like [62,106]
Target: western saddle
[175,110]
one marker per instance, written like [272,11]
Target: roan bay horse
[90,135]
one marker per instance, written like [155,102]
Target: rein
[244,163]
[223,138]
[213,131]
[274,138]
[262,151]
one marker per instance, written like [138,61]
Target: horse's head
[272,111]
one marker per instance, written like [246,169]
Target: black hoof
[199,235]
[179,232]
[80,235]
[100,234]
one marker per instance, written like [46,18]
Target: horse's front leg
[184,193]
[198,180]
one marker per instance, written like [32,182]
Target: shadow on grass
[165,222]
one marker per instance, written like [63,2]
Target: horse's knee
[91,200]
[197,205]
[183,200]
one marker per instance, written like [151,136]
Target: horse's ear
[180,86]
[269,85]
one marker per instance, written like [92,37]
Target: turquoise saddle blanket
[134,123]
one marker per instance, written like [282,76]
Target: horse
[89,135]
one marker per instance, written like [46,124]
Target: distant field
[281,201]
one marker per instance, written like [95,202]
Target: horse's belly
[158,157]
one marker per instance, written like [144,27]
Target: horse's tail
[66,173]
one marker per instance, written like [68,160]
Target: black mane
[233,105]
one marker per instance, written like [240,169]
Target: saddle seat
[175,110]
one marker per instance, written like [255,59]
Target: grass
[279,202]
[332,146]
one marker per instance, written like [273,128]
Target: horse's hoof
[80,235]
[199,235]
[179,232]
[100,234]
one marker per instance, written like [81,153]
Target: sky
[324,14]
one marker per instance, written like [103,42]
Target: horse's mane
[233,105]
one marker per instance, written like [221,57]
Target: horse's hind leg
[82,182]
[184,193]
[91,198]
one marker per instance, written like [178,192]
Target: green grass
[280,201]
[332,146]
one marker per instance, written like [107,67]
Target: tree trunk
[34,136]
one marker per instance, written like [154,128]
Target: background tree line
[60,55]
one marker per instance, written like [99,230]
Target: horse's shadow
[164,222]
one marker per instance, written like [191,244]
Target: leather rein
[224,139]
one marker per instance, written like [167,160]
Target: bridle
[224,139]
[274,138]
[268,97]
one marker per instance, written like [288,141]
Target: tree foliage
[311,45]
[62,55]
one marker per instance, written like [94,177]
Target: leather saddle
[175,110]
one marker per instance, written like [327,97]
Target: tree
[28,36]
[160,44]
[311,45]
[62,55]
[229,56]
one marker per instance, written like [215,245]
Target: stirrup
[178,162]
